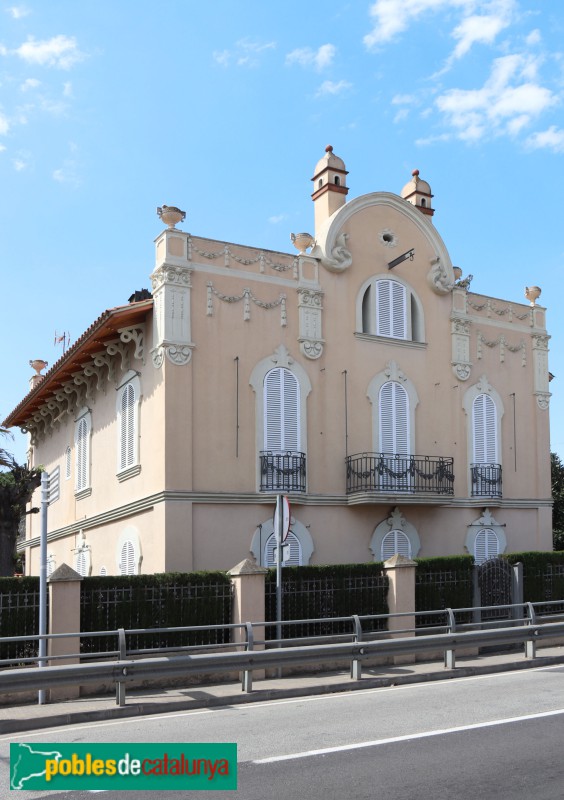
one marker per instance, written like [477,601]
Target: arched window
[291,551]
[281,411]
[395,542]
[127,559]
[128,552]
[486,545]
[395,534]
[80,564]
[337,180]
[82,430]
[484,427]
[394,419]
[484,409]
[389,308]
[127,407]
[263,544]
[281,388]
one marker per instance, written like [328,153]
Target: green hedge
[543,575]
[321,591]
[444,582]
[164,600]
[19,614]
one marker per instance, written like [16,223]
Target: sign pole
[42,650]
[279,517]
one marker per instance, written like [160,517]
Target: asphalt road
[499,736]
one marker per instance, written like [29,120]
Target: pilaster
[172,286]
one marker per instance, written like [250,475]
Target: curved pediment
[333,243]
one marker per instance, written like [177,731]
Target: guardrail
[361,645]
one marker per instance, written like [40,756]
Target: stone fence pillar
[64,617]
[248,581]
[401,597]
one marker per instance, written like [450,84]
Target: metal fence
[357,644]
[144,606]
[442,589]
[19,615]
[326,599]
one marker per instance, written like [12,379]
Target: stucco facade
[397,409]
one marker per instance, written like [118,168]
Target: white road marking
[406,738]
[282,702]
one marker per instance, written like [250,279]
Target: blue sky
[109,109]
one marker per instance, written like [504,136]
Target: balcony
[486,480]
[389,474]
[282,472]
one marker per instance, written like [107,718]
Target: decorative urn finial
[38,364]
[532,293]
[302,241]
[171,215]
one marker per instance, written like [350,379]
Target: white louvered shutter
[103,571]
[394,419]
[81,563]
[281,411]
[391,318]
[68,463]
[484,430]
[54,485]
[127,427]
[127,560]
[82,456]
[294,558]
[395,542]
[486,545]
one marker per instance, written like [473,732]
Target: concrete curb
[139,708]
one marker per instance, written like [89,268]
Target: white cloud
[18,12]
[277,218]
[443,137]
[551,139]
[222,57]
[481,29]
[4,125]
[59,51]
[404,99]
[3,50]
[482,20]
[333,88]
[245,53]
[506,103]
[2,147]
[402,114]
[392,17]
[67,174]
[67,89]
[30,83]
[305,56]
[533,38]
[19,164]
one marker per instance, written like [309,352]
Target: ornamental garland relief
[247,297]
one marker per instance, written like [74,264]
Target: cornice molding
[254,498]
[86,382]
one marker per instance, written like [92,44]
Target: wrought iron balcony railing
[282,472]
[388,472]
[486,480]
